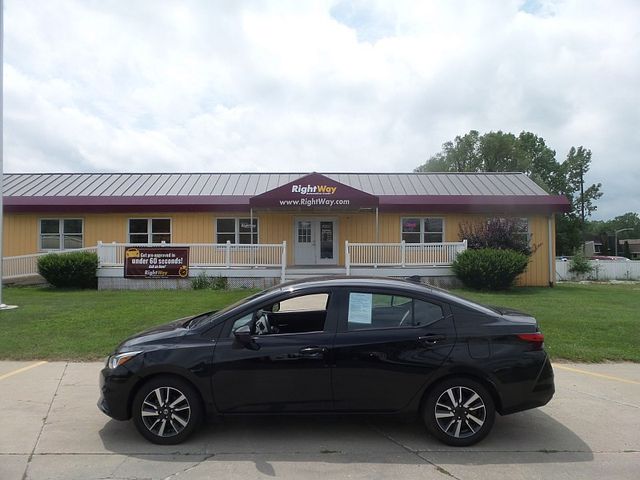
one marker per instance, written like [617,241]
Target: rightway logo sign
[313,189]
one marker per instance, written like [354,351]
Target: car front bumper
[116,387]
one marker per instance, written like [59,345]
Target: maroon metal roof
[237,192]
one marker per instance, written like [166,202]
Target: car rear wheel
[459,412]
[166,410]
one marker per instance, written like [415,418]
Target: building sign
[156,262]
[314,192]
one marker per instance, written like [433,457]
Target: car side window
[375,310]
[300,314]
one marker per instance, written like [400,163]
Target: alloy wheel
[165,411]
[460,412]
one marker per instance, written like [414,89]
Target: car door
[387,346]
[285,370]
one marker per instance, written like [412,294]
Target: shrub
[69,270]
[219,283]
[580,265]
[500,233]
[489,268]
[201,282]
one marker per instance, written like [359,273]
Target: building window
[423,230]
[61,233]
[236,230]
[149,230]
[522,229]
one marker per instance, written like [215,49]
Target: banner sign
[314,192]
[156,262]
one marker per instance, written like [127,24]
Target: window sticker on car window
[360,307]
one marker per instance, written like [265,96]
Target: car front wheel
[166,410]
[459,412]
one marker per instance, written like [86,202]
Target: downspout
[377,238]
[552,273]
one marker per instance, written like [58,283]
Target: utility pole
[2,305]
[616,237]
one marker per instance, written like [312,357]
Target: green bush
[219,283]
[202,282]
[580,265]
[69,270]
[489,268]
[503,233]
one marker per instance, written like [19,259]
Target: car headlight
[120,359]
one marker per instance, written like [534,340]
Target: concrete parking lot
[50,428]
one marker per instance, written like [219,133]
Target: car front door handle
[429,340]
[312,351]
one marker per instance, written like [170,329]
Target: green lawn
[594,322]
[88,324]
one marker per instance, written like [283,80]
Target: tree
[540,162]
[461,155]
[574,168]
[627,220]
[528,153]
[581,197]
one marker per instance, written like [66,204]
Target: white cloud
[324,85]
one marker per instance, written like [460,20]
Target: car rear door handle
[428,340]
[312,351]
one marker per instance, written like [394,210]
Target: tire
[166,422]
[459,423]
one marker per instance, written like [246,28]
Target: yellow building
[276,225]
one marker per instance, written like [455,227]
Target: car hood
[166,333]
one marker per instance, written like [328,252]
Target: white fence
[27,265]
[401,254]
[602,270]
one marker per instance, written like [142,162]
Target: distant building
[634,247]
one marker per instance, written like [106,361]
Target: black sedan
[333,345]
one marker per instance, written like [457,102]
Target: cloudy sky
[161,85]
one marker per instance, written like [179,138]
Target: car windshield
[218,313]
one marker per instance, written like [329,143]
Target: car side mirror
[244,337]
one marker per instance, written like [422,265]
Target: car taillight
[537,339]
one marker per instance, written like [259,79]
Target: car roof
[379,282]
[354,281]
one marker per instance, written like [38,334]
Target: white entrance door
[316,242]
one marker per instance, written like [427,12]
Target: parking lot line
[20,370]
[593,374]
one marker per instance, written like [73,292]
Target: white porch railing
[229,255]
[401,254]
[221,255]
[27,265]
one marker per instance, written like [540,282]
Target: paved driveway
[50,428]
